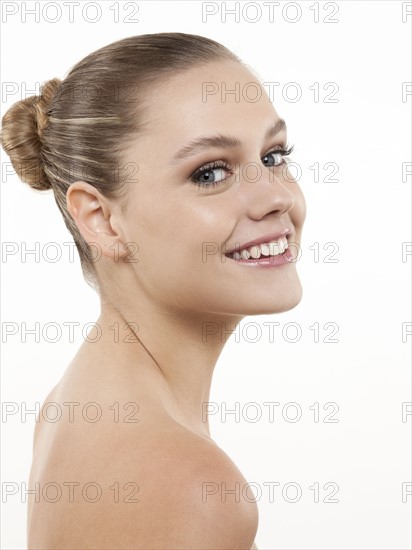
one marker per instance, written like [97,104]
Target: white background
[365,293]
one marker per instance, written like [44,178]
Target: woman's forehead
[212,97]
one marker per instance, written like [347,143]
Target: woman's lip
[267,261]
[260,240]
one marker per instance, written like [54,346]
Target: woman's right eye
[206,175]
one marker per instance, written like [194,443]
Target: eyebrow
[221,141]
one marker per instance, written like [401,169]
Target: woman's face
[183,230]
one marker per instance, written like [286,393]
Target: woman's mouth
[265,254]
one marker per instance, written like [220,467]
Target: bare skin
[159,368]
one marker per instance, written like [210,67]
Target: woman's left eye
[205,177]
[277,157]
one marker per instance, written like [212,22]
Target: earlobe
[92,213]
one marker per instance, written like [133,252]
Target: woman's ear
[94,216]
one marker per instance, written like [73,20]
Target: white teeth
[265,250]
[255,252]
[273,248]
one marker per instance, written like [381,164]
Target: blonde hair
[78,128]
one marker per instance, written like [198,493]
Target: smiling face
[183,229]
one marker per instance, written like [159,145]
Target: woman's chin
[276,303]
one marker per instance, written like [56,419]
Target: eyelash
[222,164]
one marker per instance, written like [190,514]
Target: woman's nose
[267,190]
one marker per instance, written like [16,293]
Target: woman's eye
[277,157]
[273,159]
[213,174]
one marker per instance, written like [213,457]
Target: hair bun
[22,132]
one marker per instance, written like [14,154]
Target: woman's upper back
[116,470]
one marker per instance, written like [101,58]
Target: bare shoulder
[193,496]
[148,484]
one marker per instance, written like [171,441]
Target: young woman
[186,220]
